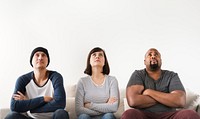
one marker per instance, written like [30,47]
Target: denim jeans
[103,116]
[58,114]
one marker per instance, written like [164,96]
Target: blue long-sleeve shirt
[35,103]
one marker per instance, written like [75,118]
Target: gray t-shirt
[168,82]
[98,96]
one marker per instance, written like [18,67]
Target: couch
[192,102]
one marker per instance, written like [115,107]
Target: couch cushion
[70,101]
[70,107]
[126,106]
[121,104]
[4,112]
[191,99]
[70,90]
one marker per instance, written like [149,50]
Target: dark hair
[106,68]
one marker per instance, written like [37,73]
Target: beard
[154,67]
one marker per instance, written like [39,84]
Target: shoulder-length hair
[106,68]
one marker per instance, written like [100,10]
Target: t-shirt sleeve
[175,83]
[135,79]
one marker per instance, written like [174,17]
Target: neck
[97,71]
[154,74]
[40,74]
[98,78]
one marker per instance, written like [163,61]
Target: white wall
[126,29]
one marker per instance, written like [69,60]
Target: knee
[187,112]
[61,114]
[191,114]
[60,111]
[84,116]
[108,116]
[12,115]
[128,114]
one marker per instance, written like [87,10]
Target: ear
[144,62]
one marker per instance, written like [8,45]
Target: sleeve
[79,102]
[16,105]
[136,78]
[105,107]
[175,83]
[59,99]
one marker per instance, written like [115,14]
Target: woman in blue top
[97,95]
[39,94]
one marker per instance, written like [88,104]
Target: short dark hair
[106,68]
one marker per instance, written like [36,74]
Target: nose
[40,57]
[97,56]
[153,57]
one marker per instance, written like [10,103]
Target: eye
[36,54]
[43,55]
[149,54]
[93,54]
[101,54]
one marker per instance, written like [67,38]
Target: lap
[16,115]
[102,116]
[60,113]
[181,114]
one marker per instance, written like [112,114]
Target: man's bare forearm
[174,99]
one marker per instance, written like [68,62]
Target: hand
[111,100]
[19,96]
[87,105]
[48,98]
[146,92]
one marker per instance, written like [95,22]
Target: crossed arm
[140,98]
[41,103]
[21,96]
[92,108]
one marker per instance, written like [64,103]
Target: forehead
[98,52]
[39,52]
[152,51]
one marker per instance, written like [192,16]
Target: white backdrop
[125,29]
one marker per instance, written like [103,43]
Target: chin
[154,67]
[41,67]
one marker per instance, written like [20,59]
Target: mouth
[39,62]
[153,62]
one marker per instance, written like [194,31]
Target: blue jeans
[58,114]
[103,116]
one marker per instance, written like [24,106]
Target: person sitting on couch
[40,93]
[155,93]
[97,95]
